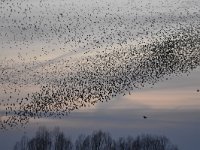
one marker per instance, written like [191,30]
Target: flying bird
[145,117]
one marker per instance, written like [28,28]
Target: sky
[53,48]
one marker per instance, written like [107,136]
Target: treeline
[98,140]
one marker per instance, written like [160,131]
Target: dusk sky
[100,65]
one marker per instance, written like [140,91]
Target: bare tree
[98,140]
[22,145]
[62,143]
[83,143]
[42,141]
[101,141]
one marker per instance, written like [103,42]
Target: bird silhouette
[66,55]
[145,117]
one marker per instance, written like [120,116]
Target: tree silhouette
[22,145]
[98,140]
[61,142]
[42,141]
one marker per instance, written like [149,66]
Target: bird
[78,56]
[145,117]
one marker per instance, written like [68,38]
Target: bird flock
[57,57]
